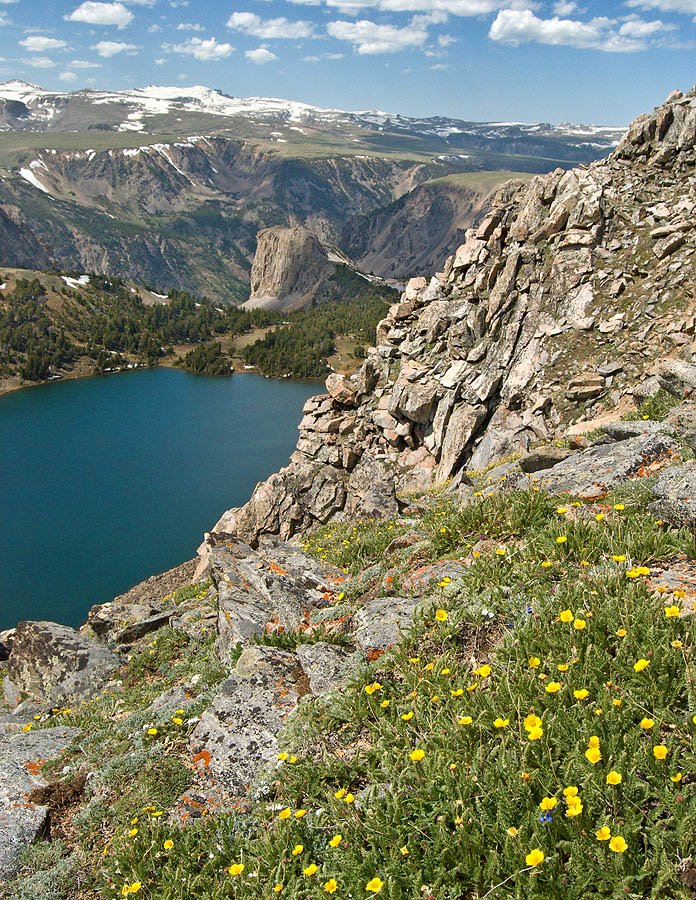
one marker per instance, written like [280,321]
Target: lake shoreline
[14,384]
[107,481]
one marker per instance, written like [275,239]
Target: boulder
[682,422]
[585,387]
[675,490]
[383,621]
[678,377]
[238,735]
[341,389]
[56,665]
[542,458]
[272,588]
[595,471]
[22,755]
[327,666]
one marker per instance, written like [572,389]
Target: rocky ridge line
[554,309]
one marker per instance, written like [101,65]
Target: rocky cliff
[288,269]
[554,309]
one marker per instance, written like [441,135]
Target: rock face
[288,268]
[551,311]
[56,665]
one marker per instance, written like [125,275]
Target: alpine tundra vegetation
[448,652]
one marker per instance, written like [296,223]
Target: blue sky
[523,60]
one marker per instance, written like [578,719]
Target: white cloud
[260,56]
[639,28]
[189,26]
[450,7]
[67,76]
[8,1]
[446,40]
[522,26]
[203,50]
[39,43]
[101,14]
[39,62]
[322,57]
[438,67]
[83,64]
[564,8]
[369,38]
[688,7]
[269,29]
[3,19]
[107,49]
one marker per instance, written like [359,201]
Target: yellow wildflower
[512,831]
[441,615]
[548,803]
[285,813]
[236,868]
[465,720]
[168,844]
[483,671]
[582,694]
[672,611]
[603,833]
[301,813]
[531,721]
[417,754]
[641,664]
[646,723]
[335,840]
[407,716]
[297,849]
[371,688]
[566,616]
[618,844]
[621,632]
[553,687]
[501,723]
[676,778]
[614,778]
[579,624]
[331,886]
[593,755]
[534,857]
[562,539]
[534,662]
[374,886]
[310,870]
[660,751]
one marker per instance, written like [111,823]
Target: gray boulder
[542,458]
[21,821]
[327,666]
[240,729]
[595,471]
[678,377]
[676,495]
[273,587]
[383,621]
[55,664]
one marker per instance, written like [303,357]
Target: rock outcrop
[56,665]
[288,269]
[553,310]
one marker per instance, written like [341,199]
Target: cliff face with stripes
[555,309]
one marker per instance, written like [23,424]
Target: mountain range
[169,186]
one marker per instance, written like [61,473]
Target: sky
[483,60]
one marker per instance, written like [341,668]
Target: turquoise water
[106,481]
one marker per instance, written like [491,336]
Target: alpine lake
[105,481]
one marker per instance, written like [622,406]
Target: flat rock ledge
[22,755]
